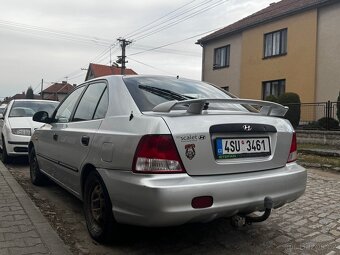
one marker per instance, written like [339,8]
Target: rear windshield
[148,92]
[29,108]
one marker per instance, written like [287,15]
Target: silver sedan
[163,151]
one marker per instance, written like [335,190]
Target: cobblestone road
[310,225]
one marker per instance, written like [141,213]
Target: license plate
[227,148]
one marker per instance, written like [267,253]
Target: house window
[275,43]
[221,57]
[275,88]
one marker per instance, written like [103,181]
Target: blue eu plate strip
[219,147]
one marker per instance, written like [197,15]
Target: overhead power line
[166,51]
[156,68]
[173,17]
[133,33]
[41,31]
[161,27]
[179,41]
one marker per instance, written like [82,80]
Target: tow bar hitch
[242,220]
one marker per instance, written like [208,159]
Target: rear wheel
[98,209]
[37,177]
[4,157]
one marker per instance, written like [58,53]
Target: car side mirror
[1,116]
[41,116]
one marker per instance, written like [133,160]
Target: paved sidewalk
[23,229]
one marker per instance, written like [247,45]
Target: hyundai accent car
[16,125]
[164,151]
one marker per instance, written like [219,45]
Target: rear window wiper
[167,94]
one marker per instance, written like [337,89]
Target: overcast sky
[52,40]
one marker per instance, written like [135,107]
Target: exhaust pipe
[239,220]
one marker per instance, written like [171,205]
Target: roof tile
[60,88]
[273,11]
[102,70]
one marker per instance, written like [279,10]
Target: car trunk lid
[213,144]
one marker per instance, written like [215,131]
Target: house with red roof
[57,91]
[96,70]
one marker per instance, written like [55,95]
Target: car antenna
[131,116]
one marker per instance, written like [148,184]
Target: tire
[37,177]
[98,209]
[5,158]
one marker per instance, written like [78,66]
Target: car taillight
[157,154]
[293,150]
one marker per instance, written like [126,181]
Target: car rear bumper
[165,200]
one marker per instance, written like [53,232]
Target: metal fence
[321,115]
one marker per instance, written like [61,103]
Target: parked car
[163,151]
[16,125]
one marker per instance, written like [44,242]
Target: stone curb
[50,238]
[320,152]
[320,166]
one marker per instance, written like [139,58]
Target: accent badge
[190,151]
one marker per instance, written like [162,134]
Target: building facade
[290,46]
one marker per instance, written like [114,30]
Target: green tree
[272,98]
[29,93]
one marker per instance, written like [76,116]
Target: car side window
[65,110]
[102,106]
[89,102]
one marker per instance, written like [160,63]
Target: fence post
[329,113]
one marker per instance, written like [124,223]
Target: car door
[46,139]
[74,139]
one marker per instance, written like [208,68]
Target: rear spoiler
[196,106]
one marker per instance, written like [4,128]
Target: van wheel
[4,157]
[98,209]
[37,177]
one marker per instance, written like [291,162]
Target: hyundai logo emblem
[247,127]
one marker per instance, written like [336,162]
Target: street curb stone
[321,152]
[52,244]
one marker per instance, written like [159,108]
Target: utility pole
[123,43]
[41,89]
[110,57]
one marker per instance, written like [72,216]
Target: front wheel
[5,157]
[98,209]
[37,177]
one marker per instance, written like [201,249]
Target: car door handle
[55,137]
[85,140]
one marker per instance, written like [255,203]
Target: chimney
[64,82]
